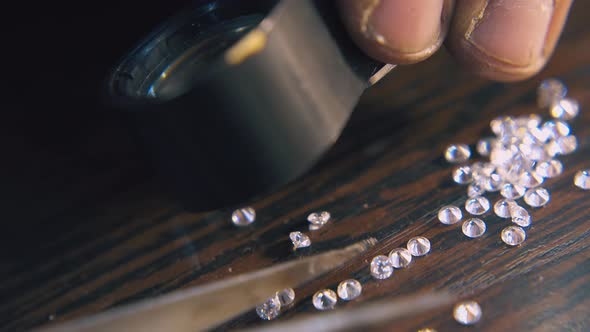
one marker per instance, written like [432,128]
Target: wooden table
[88,228]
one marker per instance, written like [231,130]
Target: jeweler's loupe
[236,98]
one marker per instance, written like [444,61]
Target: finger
[397,31]
[506,40]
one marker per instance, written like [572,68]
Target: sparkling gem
[537,197]
[520,216]
[582,179]
[299,240]
[502,125]
[555,129]
[325,299]
[286,296]
[270,309]
[567,144]
[315,227]
[550,90]
[479,169]
[534,152]
[493,182]
[475,189]
[550,168]
[513,235]
[530,179]
[462,175]
[503,156]
[349,289]
[449,214]
[467,312]
[457,153]
[473,227]
[319,218]
[418,246]
[565,109]
[528,121]
[244,216]
[477,205]
[502,208]
[484,146]
[512,191]
[381,267]
[400,258]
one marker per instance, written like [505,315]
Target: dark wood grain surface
[87,227]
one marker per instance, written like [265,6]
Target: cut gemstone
[457,153]
[537,197]
[349,289]
[502,208]
[325,299]
[549,91]
[502,125]
[400,257]
[467,313]
[319,218]
[550,168]
[493,182]
[381,267]
[555,129]
[535,152]
[474,227]
[418,246]
[449,214]
[520,216]
[299,240]
[530,179]
[512,191]
[582,179]
[286,296]
[528,121]
[477,205]
[565,109]
[475,189]
[244,216]
[270,309]
[484,146]
[462,175]
[567,144]
[513,235]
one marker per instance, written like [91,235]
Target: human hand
[504,40]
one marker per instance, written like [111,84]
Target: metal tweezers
[205,307]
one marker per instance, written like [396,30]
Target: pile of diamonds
[522,154]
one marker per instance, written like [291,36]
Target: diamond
[550,90]
[286,296]
[244,216]
[513,235]
[349,289]
[381,267]
[418,246]
[400,258]
[567,144]
[533,152]
[555,129]
[493,182]
[473,227]
[299,240]
[484,146]
[475,189]
[325,299]
[502,125]
[530,179]
[528,121]
[582,179]
[512,191]
[319,218]
[457,153]
[537,197]
[462,175]
[477,205]
[565,109]
[270,309]
[520,216]
[502,208]
[449,214]
[550,168]
[467,312]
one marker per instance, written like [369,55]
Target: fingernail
[512,32]
[405,26]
